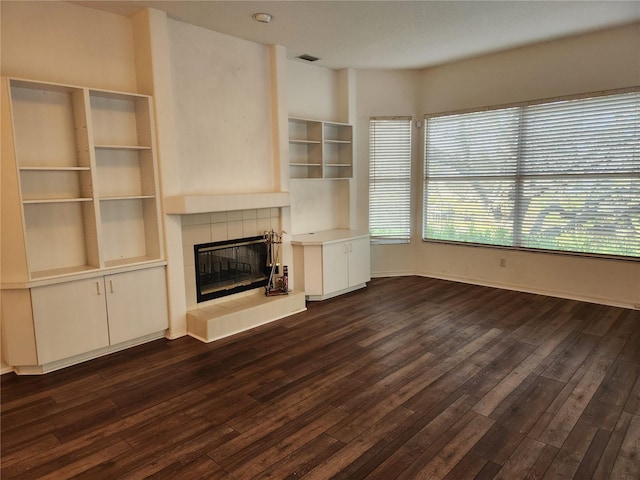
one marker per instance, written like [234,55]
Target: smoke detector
[262,17]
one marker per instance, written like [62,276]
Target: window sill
[382,241]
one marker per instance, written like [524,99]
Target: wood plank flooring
[410,378]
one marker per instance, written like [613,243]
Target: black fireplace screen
[231,266]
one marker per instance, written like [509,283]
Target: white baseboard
[515,287]
[67,362]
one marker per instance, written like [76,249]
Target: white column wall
[154,78]
[314,93]
[222,106]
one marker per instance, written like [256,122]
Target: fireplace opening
[231,266]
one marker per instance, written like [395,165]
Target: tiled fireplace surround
[221,317]
[217,226]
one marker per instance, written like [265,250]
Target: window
[561,175]
[390,179]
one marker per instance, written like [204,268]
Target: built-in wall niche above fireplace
[230,266]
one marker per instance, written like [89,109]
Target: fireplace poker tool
[279,286]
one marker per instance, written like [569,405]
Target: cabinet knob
[98,288]
[111,285]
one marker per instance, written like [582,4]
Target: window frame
[518,178]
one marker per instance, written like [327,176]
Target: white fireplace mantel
[189,204]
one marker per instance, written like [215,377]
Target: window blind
[390,179]
[562,175]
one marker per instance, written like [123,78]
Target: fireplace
[231,266]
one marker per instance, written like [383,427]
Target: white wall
[586,63]
[598,61]
[387,93]
[318,205]
[64,43]
[312,92]
[222,108]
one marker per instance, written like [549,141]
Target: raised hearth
[241,312]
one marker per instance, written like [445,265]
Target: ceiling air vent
[308,58]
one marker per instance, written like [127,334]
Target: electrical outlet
[503,262]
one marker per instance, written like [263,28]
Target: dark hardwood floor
[409,378]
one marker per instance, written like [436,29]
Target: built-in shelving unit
[319,149]
[86,177]
[337,150]
[80,201]
[125,166]
[56,181]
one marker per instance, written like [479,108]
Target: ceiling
[393,34]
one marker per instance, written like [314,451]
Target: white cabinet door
[137,303]
[335,268]
[359,261]
[346,265]
[69,319]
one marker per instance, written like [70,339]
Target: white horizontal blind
[470,170]
[390,179]
[562,176]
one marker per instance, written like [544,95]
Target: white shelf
[55,200]
[54,169]
[305,142]
[63,271]
[130,261]
[125,197]
[122,147]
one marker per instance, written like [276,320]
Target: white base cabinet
[69,319]
[331,262]
[87,317]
